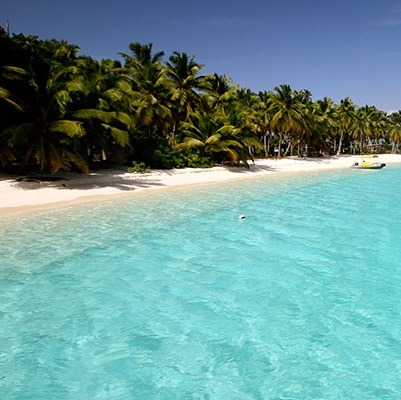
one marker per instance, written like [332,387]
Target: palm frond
[92,113]
[232,154]
[120,136]
[67,127]
[226,130]
[190,143]
[21,134]
[13,73]
[122,117]
[252,141]
[71,69]
[114,94]
[5,95]
[54,157]
[231,143]
[213,139]
[75,85]
[62,97]
[77,160]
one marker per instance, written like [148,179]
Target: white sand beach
[23,194]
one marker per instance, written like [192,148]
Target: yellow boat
[368,165]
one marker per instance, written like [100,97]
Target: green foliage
[138,167]
[62,111]
[168,158]
[196,160]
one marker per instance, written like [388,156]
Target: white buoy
[242,216]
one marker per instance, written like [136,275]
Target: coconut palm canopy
[61,111]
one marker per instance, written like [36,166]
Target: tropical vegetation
[63,111]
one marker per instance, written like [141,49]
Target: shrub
[138,167]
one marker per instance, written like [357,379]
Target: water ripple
[173,297]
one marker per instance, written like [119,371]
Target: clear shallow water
[171,296]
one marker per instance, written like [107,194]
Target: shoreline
[21,196]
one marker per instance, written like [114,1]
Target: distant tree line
[61,111]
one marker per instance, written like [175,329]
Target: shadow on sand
[118,179]
[96,180]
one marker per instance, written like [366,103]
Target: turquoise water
[171,296]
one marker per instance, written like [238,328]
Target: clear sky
[334,48]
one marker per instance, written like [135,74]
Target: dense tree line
[61,111]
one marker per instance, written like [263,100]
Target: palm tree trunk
[280,142]
[340,142]
[288,148]
[265,144]
[91,152]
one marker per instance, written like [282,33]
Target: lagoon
[172,296]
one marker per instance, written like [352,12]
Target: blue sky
[334,48]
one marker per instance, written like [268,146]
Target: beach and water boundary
[25,194]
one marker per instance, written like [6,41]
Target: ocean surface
[170,295]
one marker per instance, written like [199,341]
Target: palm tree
[346,121]
[379,128]
[321,120]
[213,135]
[150,100]
[369,125]
[150,89]
[102,103]
[245,114]
[182,71]
[45,135]
[12,106]
[394,132]
[142,55]
[264,120]
[286,113]
[9,77]
[361,127]
[219,92]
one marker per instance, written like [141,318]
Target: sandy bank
[18,196]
